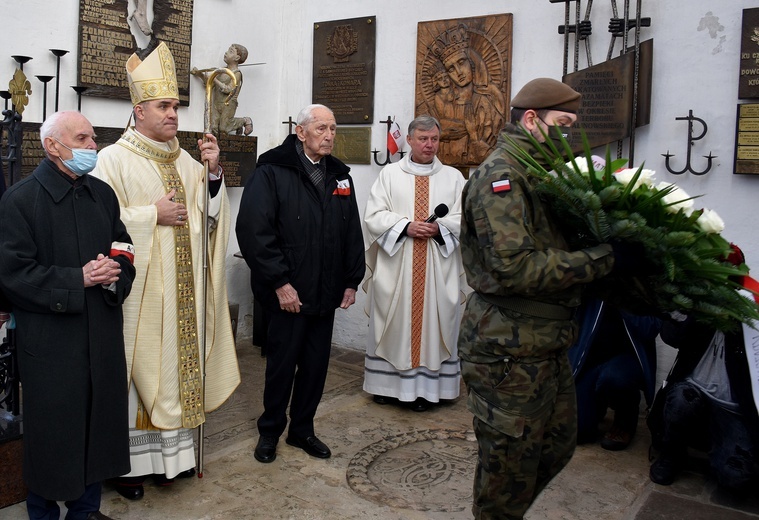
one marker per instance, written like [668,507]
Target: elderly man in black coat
[66,267]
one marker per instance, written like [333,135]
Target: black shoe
[616,439]
[97,515]
[266,449]
[310,445]
[420,405]
[186,474]
[160,480]
[664,470]
[129,488]
[383,399]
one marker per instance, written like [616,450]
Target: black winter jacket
[289,233]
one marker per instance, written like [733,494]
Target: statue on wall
[463,73]
[224,95]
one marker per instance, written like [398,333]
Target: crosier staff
[209,79]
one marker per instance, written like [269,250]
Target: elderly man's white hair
[307,114]
[52,126]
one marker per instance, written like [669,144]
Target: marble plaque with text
[343,74]
[748,83]
[106,43]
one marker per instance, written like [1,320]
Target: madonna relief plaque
[463,78]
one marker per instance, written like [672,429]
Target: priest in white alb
[161,191]
[415,280]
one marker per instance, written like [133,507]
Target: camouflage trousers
[525,420]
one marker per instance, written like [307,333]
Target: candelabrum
[79,90]
[6,95]
[57,53]
[45,80]
[21,60]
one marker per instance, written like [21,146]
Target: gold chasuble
[162,315]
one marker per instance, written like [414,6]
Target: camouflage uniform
[516,329]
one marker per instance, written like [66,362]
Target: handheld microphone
[440,211]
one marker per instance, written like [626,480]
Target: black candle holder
[79,89]
[45,80]
[57,53]
[21,60]
[6,95]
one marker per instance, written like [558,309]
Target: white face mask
[83,161]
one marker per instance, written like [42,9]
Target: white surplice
[389,370]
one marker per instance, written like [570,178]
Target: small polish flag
[502,185]
[394,142]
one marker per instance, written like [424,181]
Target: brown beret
[547,94]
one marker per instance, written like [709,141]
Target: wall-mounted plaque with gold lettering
[463,78]
[748,84]
[238,153]
[607,97]
[352,145]
[747,139]
[344,60]
[106,41]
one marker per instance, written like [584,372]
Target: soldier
[518,324]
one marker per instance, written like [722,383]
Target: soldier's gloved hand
[629,258]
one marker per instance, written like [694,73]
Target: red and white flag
[394,142]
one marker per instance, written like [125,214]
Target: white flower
[710,222]
[625,176]
[676,199]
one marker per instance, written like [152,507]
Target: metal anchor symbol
[376,153]
[691,138]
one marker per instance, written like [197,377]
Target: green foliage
[685,266]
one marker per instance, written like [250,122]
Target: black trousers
[297,357]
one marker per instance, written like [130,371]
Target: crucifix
[290,123]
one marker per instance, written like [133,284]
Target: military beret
[547,94]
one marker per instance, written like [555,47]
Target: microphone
[440,211]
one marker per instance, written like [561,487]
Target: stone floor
[392,463]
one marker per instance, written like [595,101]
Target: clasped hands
[101,271]
[422,229]
[289,301]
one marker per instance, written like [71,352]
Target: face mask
[83,161]
[555,133]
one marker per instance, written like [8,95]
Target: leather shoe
[383,399]
[616,439]
[186,474]
[266,449]
[97,515]
[129,491]
[420,405]
[310,445]
[664,470]
[160,480]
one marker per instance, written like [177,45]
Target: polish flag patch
[122,249]
[502,185]
[343,188]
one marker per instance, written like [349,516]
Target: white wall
[696,52]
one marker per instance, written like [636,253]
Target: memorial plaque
[237,157]
[463,78]
[106,41]
[344,61]
[747,139]
[352,145]
[748,83]
[607,97]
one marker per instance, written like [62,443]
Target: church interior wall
[695,67]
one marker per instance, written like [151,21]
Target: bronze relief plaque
[352,145]
[344,61]
[463,78]
[747,139]
[607,97]
[106,42]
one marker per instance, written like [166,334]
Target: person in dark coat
[66,265]
[707,403]
[299,231]
[613,359]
